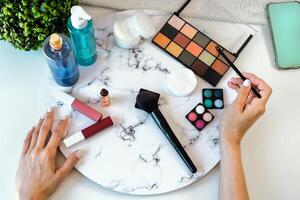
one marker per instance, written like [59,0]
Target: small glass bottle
[80,26]
[60,58]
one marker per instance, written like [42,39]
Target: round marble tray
[134,156]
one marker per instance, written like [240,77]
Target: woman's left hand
[37,176]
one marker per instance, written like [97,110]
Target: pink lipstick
[77,105]
[88,132]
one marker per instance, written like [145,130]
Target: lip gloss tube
[77,105]
[88,132]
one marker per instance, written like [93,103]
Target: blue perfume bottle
[80,26]
[60,58]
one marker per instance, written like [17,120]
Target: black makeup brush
[148,101]
[236,70]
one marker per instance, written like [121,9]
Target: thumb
[69,164]
[243,94]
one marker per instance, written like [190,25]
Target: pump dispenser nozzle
[79,17]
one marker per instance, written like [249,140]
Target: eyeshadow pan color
[174,49]
[192,116]
[208,103]
[194,49]
[182,40]
[188,30]
[169,31]
[176,22]
[218,93]
[200,109]
[200,124]
[200,117]
[199,67]
[187,58]
[207,93]
[211,48]
[218,103]
[161,40]
[220,67]
[201,39]
[213,98]
[229,55]
[207,58]
[212,77]
[207,117]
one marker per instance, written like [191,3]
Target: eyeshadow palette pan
[212,98]
[193,49]
[199,117]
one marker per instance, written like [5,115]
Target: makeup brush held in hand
[148,101]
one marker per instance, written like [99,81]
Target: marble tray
[134,157]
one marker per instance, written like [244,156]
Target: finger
[237,81]
[58,133]
[35,134]
[243,94]
[45,129]
[264,89]
[68,165]
[26,143]
[233,86]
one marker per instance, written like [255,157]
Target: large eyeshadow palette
[193,49]
[212,98]
[200,117]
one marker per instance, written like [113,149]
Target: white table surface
[271,148]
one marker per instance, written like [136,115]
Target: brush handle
[166,129]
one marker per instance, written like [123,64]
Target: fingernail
[79,153]
[247,83]
[50,109]
[65,117]
[43,117]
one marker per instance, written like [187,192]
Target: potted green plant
[27,23]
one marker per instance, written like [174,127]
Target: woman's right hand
[245,110]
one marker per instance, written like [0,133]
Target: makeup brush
[148,101]
[236,70]
[182,7]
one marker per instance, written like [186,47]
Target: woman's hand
[37,176]
[245,110]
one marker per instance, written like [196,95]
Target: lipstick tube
[88,132]
[77,105]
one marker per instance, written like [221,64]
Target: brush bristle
[147,100]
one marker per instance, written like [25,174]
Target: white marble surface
[270,149]
[134,156]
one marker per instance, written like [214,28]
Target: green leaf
[26,32]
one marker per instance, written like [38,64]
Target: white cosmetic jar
[128,31]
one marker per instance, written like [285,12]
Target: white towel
[245,11]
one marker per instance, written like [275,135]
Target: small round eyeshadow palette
[212,98]
[193,49]
[200,117]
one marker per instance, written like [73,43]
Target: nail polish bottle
[80,26]
[60,58]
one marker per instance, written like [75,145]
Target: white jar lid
[143,24]
[182,82]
